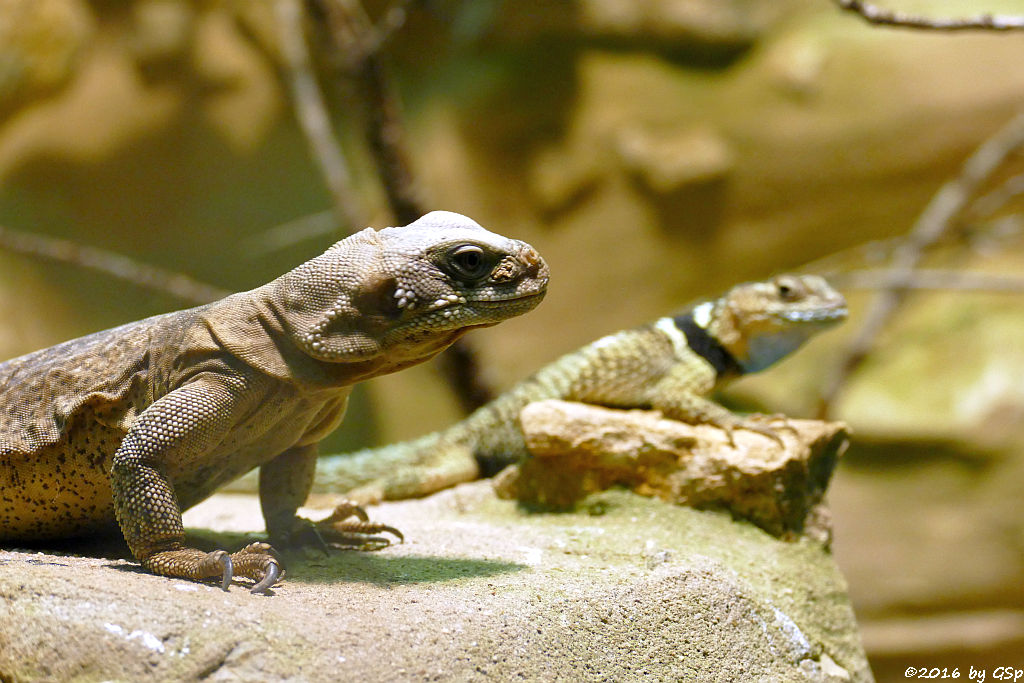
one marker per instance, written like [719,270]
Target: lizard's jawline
[820,316]
[496,302]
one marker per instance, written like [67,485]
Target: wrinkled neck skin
[250,326]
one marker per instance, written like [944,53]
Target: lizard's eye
[787,290]
[469,262]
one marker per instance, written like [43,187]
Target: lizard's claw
[259,562]
[269,579]
[229,571]
[211,564]
[729,428]
[775,423]
[764,430]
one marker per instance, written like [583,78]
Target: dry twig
[357,41]
[996,200]
[938,217]
[115,265]
[883,17]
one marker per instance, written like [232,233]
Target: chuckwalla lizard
[140,422]
[671,365]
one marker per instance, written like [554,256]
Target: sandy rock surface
[629,587]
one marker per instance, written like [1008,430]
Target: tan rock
[579,449]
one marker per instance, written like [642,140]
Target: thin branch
[311,226]
[883,17]
[392,20]
[931,225]
[387,141]
[933,279]
[311,112]
[358,43]
[997,199]
[115,265]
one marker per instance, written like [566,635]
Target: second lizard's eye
[469,262]
[788,289]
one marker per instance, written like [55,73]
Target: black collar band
[706,346]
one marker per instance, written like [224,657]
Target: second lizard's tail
[410,469]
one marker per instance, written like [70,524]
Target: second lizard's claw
[775,423]
[766,431]
[750,424]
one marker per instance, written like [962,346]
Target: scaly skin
[671,365]
[138,423]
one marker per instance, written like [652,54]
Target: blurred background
[653,151]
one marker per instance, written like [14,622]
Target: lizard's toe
[189,563]
[344,510]
[770,432]
[770,426]
[359,534]
[259,562]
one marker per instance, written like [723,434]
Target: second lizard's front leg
[680,396]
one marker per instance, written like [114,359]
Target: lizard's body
[670,365]
[137,423]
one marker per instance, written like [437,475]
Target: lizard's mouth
[495,310]
[526,297]
[833,314]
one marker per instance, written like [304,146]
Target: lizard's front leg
[285,483]
[177,429]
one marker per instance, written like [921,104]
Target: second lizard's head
[409,292]
[760,323]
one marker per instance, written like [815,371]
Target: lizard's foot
[337,530]
[341,531]
[256,561]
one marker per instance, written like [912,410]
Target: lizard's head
[762,322]
[410,291]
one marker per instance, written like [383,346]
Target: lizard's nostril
[531,258]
